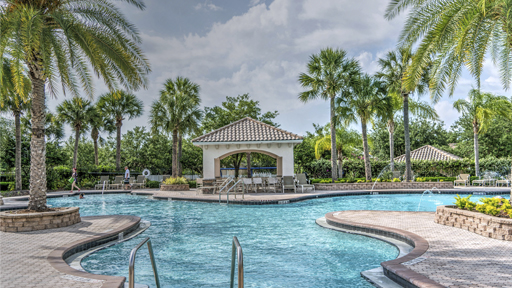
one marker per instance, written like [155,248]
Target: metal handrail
[131,267]
[237,249]
[227,193]
[229,180]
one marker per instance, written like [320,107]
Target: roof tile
[428,152]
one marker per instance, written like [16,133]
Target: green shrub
[325,181]
[361,181]
[153,184]
[489,206]
[396,180]
[192,184]
[174,181]
[462,202]
[6,186]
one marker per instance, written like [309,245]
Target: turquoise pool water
[283,247]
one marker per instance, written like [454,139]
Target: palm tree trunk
[334,169]
[94,136]
[37,199]
[175,153]
[408,172]
[340,163]
[391,129]
[180,151]
[118,146]
[367,164]
[248,157]
[17,170]
[75,153]
[477,156]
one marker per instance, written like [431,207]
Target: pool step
[136,285]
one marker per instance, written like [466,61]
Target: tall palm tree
[458,33]
[330,74]
[99,123]
[118,106]
[369,100]
[346,140]
[393,73]
[78,113]
[59,42]
[16,104]
[482,108]
[176,111]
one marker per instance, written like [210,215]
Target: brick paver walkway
[23,256]
[456,257]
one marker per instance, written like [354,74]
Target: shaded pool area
[283,247]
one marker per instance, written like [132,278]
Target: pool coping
[57,257]
[393,269]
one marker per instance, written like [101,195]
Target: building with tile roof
[428,152]
[247,136]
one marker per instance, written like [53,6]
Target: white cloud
[447,113]
[207,5]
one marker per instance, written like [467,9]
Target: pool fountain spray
[429,192]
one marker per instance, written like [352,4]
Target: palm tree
[457,33]
[393,73]
[16,104]
[330,74]
[482,108]
[99,123]
[368,100]
[346,140]
[176,111]
[78,112]
[118,106]
[59,42]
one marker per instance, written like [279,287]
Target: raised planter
[476,222]
[26,222]
[383,185]
[174,187]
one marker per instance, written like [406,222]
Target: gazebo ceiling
[247,130]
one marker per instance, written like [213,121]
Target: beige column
[217,167]
[279,161]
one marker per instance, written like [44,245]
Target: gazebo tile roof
[428,152]
[247,130]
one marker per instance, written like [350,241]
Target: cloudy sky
[232,47]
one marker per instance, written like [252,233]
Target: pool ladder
[131,267]
[235,186]
[237,250]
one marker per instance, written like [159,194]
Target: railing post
[237,251]
[131,265]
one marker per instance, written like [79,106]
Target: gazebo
[428,152]
[247,136]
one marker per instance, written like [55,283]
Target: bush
[489,206]
[192,184]
[153,184]
[396,180]
[174,181]
[6,186]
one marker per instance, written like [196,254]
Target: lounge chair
[256,182]
[462,179]
[506,180]
[141,182]
[118,182]
[247,183]
[103,179]
[302,182]
[289,183]
[273,184]
[199,186]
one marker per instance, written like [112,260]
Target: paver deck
[30,259]
[455,258]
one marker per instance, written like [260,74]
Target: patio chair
[199,186]
[118,182]
[273,184]
[103,179]
[506,180]
[141,182]
[462,179]
[256,182]
[303,183]
[289,183]
[247,183]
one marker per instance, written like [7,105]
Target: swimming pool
[283,247]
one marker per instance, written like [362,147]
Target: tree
[346,141]
[99,123]
[59,42]
[176,111]
[231,110]
[16,104]
[77,112]
[118,106]
[482,108]
[368,100]
[393,72]
[330,75]
[457,33]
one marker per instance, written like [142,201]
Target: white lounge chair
[302,182]
[462,179]
[289,183]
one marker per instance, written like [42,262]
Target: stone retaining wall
[383,185]
[38,221]
[476,222]
[175,187]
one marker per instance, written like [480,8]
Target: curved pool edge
[57,257]
[392,269]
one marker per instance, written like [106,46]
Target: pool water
[282,245]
